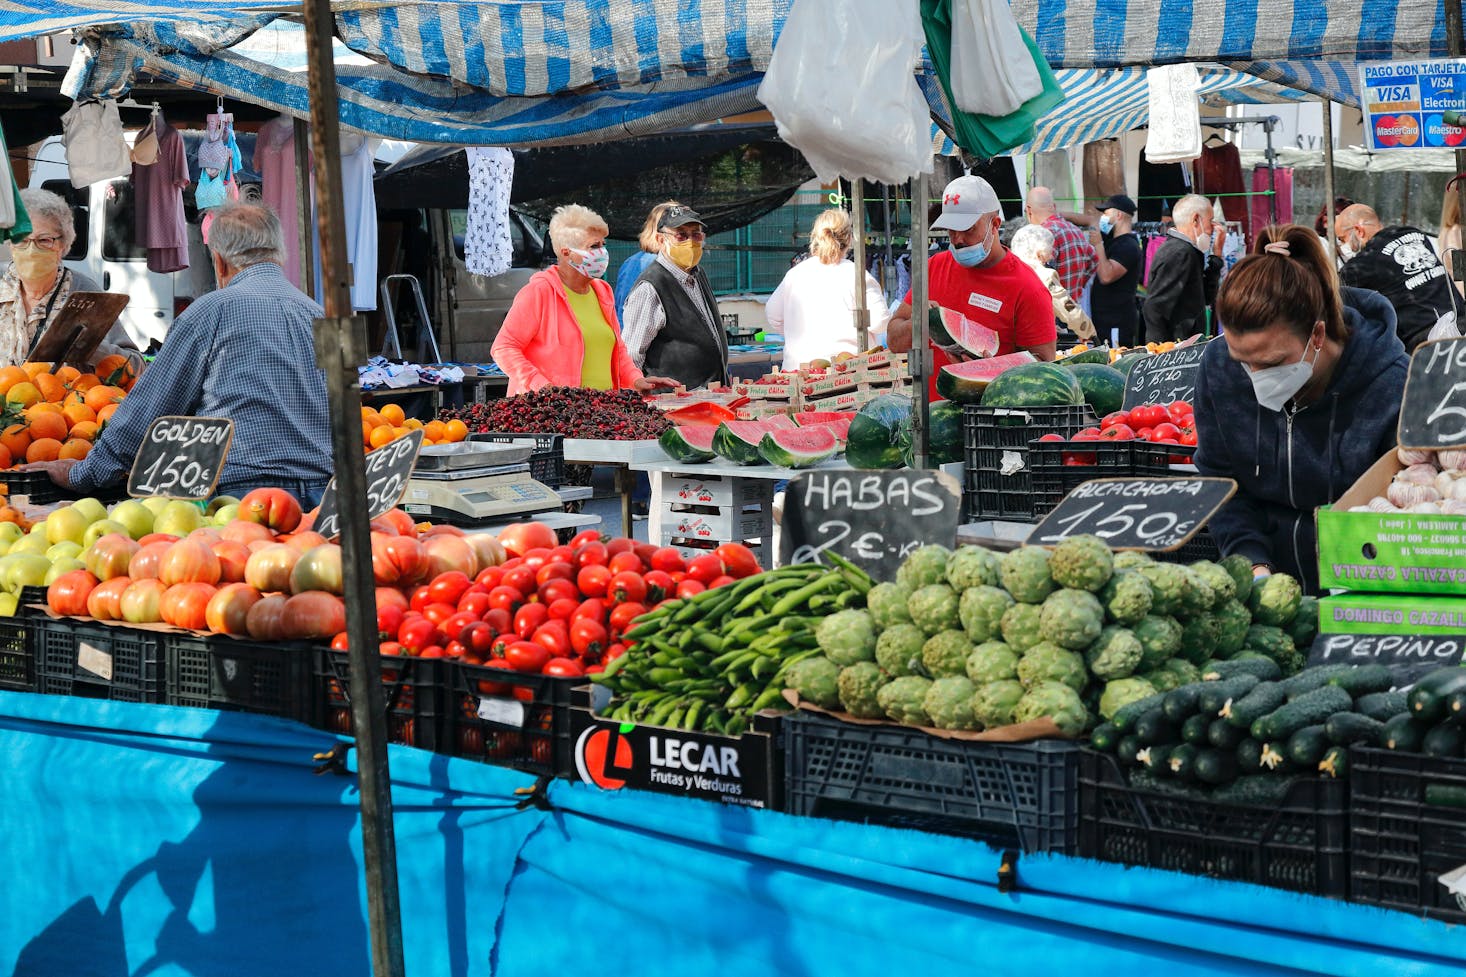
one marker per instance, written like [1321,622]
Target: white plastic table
[618,455]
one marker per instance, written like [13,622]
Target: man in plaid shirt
[1074,258]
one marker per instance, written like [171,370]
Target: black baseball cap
[677,216]
[1118,202]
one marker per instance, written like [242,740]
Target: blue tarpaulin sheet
[156,840]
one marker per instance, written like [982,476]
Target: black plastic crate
[36,486]
[999,483]
[1018,794]
[30,596]
[96,661]
[513,719]
[1401,844]
[239,675]
[1202,546]
[412,688]
[1059,467]
[546,464]
[17,656]
[1300,844]
[1157,459]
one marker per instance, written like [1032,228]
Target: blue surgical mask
[972,255]
[1105,224]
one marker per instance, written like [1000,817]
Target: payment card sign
[1414,104]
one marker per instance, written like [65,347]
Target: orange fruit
[392,414]
[5,460]
[412,423]
[86,430]
[43,449]
[85,382]
[24,394]
[105,414]
[44,407]
[49,425]
[367,414]
[75,449]
[51,388]
[10,376]
[78,412]
[456,430]
[102,395]
[16,439]
[114,369]
[434,430]
[34,369]
[381,434]
[66,374]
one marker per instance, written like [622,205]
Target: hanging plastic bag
[992,73]
[842,88]
[95,148]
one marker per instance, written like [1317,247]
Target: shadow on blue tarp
[151,840]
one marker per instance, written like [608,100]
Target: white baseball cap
[964,200]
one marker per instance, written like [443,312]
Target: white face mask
[1274,386]
[1204,242]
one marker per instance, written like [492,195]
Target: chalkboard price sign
[1136,513]
[873,518]
[1433,412]
[1163,377]
[1408,656]
[387,470]
[181,457]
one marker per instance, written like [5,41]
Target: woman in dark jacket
[1298,400]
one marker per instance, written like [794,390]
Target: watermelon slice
[948,327]
[964,383]
[778,422]
[802,447]
[805,418]
[738,441]
[840,429]
[689,442]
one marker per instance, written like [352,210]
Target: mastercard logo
[1396,130]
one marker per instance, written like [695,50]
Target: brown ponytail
[1292,282]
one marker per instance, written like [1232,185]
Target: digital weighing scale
[470,483]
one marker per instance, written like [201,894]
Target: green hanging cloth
[22,225]
[986,136]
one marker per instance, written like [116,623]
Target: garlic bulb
[1451,461]
[1454,507]
[1426,508]
[1457,491]
[1408,494]
[1418,474]
[1380,504]
[1409,456]
[1443,482]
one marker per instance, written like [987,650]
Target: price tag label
[1433,411]
[94,660]
[1408,656]
[1136,513]
[181,458]
[387,470]
[505,712]
[1164,377]
[872,518]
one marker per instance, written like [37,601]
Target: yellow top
[600,341]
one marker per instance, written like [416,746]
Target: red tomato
[614,652]
[619,545]
[1118,432]
[487,687]
[438,613]
[528,618]
[490,577]
[645,551]
[593,609]
[588,638]
[501,619]
[338,643]
[553,639]
[453,627]
[419,599]
[722,581]
[595,669]
[1178,409]
[592,580]
[432,651]
[623,615]
[705,569]
[455,649]
[474,603]
[628,587]
[526,656]
[562,609]
[659,585]
[389,648]
[68,593]
[417,634]
[738,560]
[591,554]
[478,638]
[448,587]
[1053,437]
[1088,434]
[521,579]
[563,668]
[627,562]
[1113,418]
[557,589]
[1161,432]
[537,557]
[505,598]
[1188,436]
[668,560]
[501,644]
[686,588]
[585,536]
[1147,415]
[554,571]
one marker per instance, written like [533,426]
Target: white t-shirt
[813,310]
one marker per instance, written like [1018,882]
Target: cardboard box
[716,490]
[717,523]
[768,391]
[1406,614]
[830,383]
[1384,552]
[843,401]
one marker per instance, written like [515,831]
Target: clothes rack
[1268,123]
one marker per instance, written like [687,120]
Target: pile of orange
[48,415]
[388,424]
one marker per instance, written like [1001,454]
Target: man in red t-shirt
[981,279]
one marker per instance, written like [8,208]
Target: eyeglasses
[687,235]
[46,243]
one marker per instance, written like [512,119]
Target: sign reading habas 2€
[181,458]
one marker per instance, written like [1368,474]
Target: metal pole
[1328,179]
[304,200]
[1456,46]
[340,347]
[862,314]
[1272,172]
[921,354]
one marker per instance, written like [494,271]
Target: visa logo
[1393,93]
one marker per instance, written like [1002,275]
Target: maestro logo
[603,753]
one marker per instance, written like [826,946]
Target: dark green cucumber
[1445,795]
[1182,703]
[1263,699]
[1216,767]
[1344,728]
[1219,693]
[1265,669]
[1382,705]
[1143,779]
[1105,738]
[1456,707]
[1249,756]
[1125,717]
[1255,790]
[1154,727]
[1194,730]
[1126,749]
[1275,758]
[1307,746]
[1223,735]
[1311,678]
[1154,758]
[1306,709]
[1335,763]
[1403,733]
[1365,680]
[1445,740]
[1430,699]
[1182,762]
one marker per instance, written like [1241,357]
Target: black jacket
[1285,466]
[1181,285]
[1401,265]
[686,349]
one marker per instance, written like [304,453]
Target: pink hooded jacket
[540,342]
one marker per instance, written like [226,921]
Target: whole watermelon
[874,440]
[1103,386]
[1034,385]
[945,422]
[1100,354]
[1124,363]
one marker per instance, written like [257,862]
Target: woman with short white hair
[1034,246]
[562,329]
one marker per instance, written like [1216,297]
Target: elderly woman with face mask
[1034,246]
[562,329]
[35,287]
